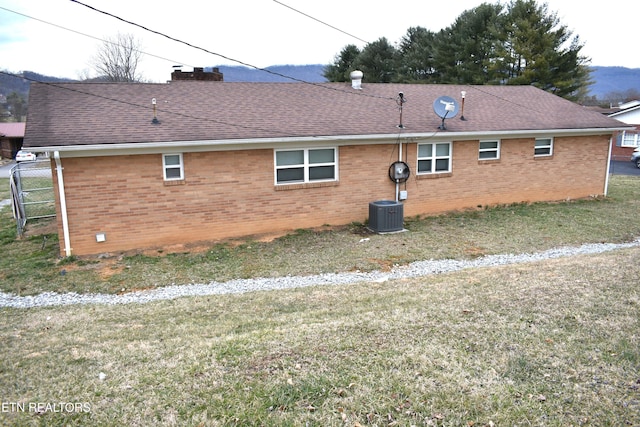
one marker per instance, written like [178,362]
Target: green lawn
[33,264]
[553,343]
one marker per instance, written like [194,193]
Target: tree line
[519,43]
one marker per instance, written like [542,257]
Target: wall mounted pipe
[63,204]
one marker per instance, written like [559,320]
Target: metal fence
[31,192]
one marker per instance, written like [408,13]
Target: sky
[60,37]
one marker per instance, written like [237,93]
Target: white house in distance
[627,140]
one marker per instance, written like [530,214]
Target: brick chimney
[198,74]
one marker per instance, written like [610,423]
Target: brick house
[152,165]
[628,140]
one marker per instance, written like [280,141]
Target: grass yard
[33,264]
[554,343]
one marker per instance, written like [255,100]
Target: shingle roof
[107,113]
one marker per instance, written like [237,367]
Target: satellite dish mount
[445,107]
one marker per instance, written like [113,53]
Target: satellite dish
[399,172]
[445,107]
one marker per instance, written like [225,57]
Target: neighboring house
[11,139]
[628,140]
[152,165]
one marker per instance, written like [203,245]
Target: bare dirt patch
[40,227]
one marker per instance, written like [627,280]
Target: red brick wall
[620,152]
[516,177]
[232,194]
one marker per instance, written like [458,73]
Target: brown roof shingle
[107,113]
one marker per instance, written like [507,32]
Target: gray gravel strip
[415,269]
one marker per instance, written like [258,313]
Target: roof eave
[319,141]
[627,110]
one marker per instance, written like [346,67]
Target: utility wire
[226,57]
[206,119]
[213,53]
[89,35]
[322,22]
[68,87]
[174,61]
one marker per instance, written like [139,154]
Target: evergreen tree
[463,52]
[378,61]
[415,57]
[342,65]
[522,43]
[534,51]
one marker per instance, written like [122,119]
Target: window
[434,158]
[543,147]
[305,165]
[630,139]
[489,150]
[173,168]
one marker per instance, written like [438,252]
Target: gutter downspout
[606,179]
[63,204]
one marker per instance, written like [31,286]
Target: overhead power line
[322,22]
[68,87]
[87,35]
[357,93]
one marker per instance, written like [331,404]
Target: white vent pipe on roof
[356,79]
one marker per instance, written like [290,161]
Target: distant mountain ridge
[606,80]
[276,73]
[9,84]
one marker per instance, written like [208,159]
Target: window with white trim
[306,165]
[173,167]
[434,157]
[489,150]
[543,147]
[630,139]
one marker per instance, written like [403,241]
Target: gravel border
[415,269]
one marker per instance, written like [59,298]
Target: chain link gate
[32,193]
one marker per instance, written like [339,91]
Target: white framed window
[306,165]
[489,150]
[434,157]
[173,167]
[543,147]
[630,139]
